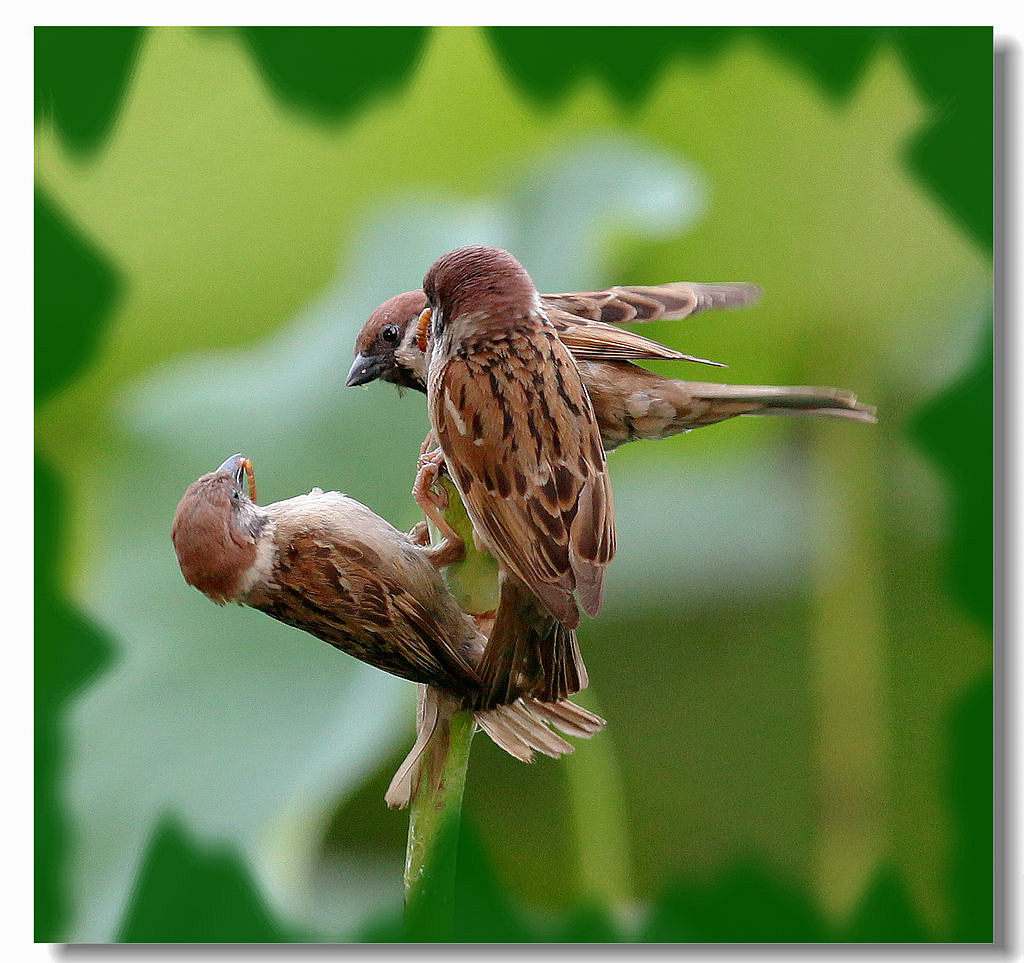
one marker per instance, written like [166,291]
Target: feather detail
[632,403]
[567,717]
[659,302]
[522,452]
[521,729]
[431,705]
[530,652]
[598,341]
[786,400]
[346,576]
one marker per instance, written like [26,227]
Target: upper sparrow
[520,439]
[326,564]
[630,402]
[585,321]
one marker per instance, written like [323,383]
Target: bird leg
[428,443]
[419,534]
[433,503]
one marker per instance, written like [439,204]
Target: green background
[795,656]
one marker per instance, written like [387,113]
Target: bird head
[216,529]
[386,346]
[477,291]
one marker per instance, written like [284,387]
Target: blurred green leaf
[956,430]
[972,797]
[952,65]
[886,914]
[746,905]
[186,893]
[69,652]
[547,62]
[587,924]
[330,72]
[81,75]
[75,290]
[484,910]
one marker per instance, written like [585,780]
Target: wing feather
[591,340]
[552,445]
[342,590]
[659,302]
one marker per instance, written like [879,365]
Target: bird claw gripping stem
[432,503]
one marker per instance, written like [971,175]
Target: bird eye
[390,333]
[236,495]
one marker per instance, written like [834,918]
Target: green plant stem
[473,581]
[430,856]
[436,806]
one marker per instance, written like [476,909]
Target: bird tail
[727,400]
[529,652]
[528,725]
[434,711]
[670,407]
[521,729]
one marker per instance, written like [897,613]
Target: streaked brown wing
[597,341]
[522,444]
[669,302]
[341,591]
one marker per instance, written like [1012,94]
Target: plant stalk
[436,806]
[430,856]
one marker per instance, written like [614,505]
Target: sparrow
[630,402]
[518,434]
[328,565]
[585,321]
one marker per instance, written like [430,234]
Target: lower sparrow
[327,564]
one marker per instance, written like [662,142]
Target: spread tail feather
[527,726]
[529,653]
[566,716]
[521,729]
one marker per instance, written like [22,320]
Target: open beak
[366,368]
[241,467]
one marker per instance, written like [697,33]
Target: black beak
[366,368]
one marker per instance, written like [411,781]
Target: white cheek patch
[412,359]
[266,558]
